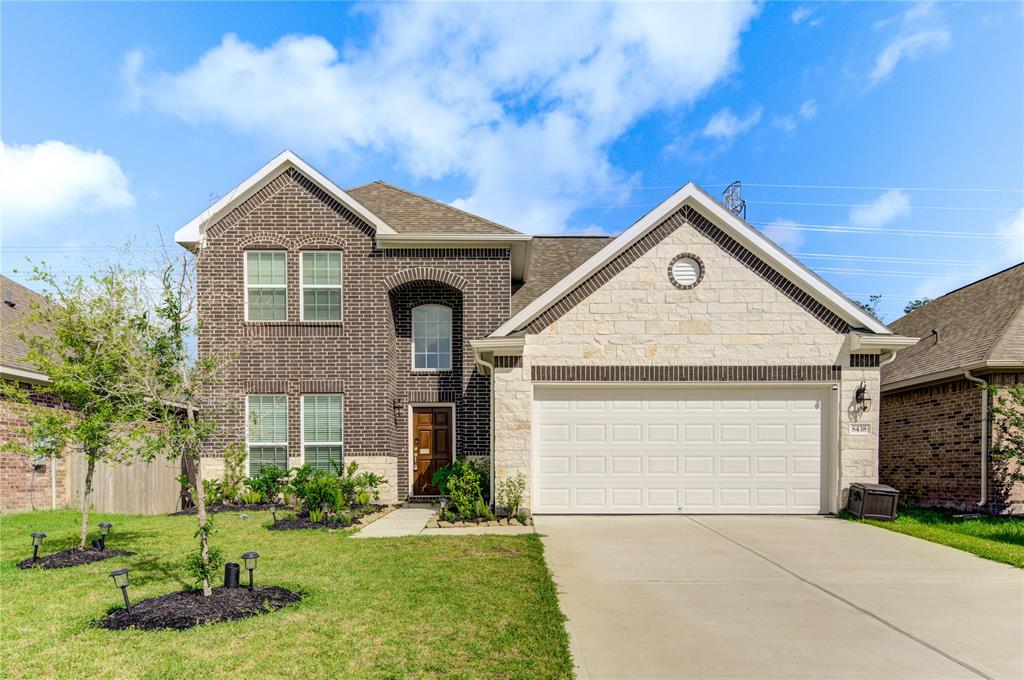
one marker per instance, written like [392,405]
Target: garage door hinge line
[847,602]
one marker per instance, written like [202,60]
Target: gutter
[984,436]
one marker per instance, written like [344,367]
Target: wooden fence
[133,488]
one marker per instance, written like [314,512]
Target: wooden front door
[431,446]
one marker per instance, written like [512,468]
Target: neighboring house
[687,365]
[934,426]
[23,486]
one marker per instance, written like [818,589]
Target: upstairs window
[267,431]
[321,285]
[432,338]
[266,285]
[322,428]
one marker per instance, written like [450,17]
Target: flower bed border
[63,560]
[436,522]
[226,604]
[360,522]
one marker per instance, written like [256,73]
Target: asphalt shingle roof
[552,258]
[13,349]
[410,213]
[983,321]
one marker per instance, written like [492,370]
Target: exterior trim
[864,360]
[426,274]
[785,373]
[23,375]
[508,361]
[741,232]
[700,270]
[983,367]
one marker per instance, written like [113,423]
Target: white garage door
[747,449]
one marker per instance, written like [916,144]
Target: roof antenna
[9,297]
[732,199]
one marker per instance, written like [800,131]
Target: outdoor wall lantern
[862,397]
[37,540]
[250,564]
[104,530]
[120,577]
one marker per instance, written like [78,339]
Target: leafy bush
[462,482]
[268,482]
[522,517]
[316,516]
[234,471]
[320,489]
[510,493]
[251,497]
[213,490]
[201,571]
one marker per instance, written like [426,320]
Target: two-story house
[687,365]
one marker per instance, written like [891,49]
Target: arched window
[432,338]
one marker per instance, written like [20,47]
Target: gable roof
[13,350]
[979,324]
[408,212]
[192,233]
[552,258]
[743,232]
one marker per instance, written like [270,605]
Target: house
[687,365]
[935,428]
[24,483]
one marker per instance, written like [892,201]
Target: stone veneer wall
[638,317]
[930,447]
[362,357]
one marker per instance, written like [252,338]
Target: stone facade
[930,447]
[739,315]
[366,356]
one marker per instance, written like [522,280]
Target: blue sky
[882,143]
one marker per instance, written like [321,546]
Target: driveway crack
[837,596]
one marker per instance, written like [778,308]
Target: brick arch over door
[406,276]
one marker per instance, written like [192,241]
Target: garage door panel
[744,450]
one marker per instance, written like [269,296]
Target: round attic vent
[685,271]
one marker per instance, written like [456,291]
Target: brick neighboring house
[23,486]
[687,365]
[932,415]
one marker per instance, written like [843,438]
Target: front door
[431,446]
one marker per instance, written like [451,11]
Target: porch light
[250,564]
[104,530]
[120,577]
[862,397]
[37,540]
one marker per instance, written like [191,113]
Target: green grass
[454,607]
[994,538]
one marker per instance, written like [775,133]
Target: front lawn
[994,538]
[459,607]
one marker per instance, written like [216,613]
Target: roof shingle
[552,258]
[13,322]
[410,213]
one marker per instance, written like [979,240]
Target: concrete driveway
[774,597]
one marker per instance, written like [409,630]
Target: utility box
[873,501]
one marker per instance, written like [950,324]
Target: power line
[849,229]
[872,205]
[901,260]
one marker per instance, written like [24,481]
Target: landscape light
[104,530]
[37,540]
[120,577]
[250,564]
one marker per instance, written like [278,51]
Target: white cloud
[921,31]
[807,111]
[784,234]
[521,100]
[53,180]
[806,14]
[887,208]
[726,125]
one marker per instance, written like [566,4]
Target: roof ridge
[441,204]
[363,185]
[974,283]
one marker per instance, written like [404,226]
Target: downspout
[490,371]
[984,436]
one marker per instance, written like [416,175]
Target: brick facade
[22,485]
[930,443]
[367,356]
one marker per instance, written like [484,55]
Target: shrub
[463,484]
[316,516]
[213,490]
[251,497]
[510,493]
[321,488]
[201,571]
[234,471]
[268,482]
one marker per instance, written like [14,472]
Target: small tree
[871,306]
[915,305]
[85,351]
[1008,444]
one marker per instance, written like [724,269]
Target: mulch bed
[436,522]
[189,608]
[227,507]
[72,557]
[360,517]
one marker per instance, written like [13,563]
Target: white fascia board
[24,375]
[882,343]
[939,376]
[192,233]
[518,244]
[743,232]
[499,346]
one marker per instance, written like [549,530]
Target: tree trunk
[90,466]
[204,545]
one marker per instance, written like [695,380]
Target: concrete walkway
[411,520]
[779,597]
